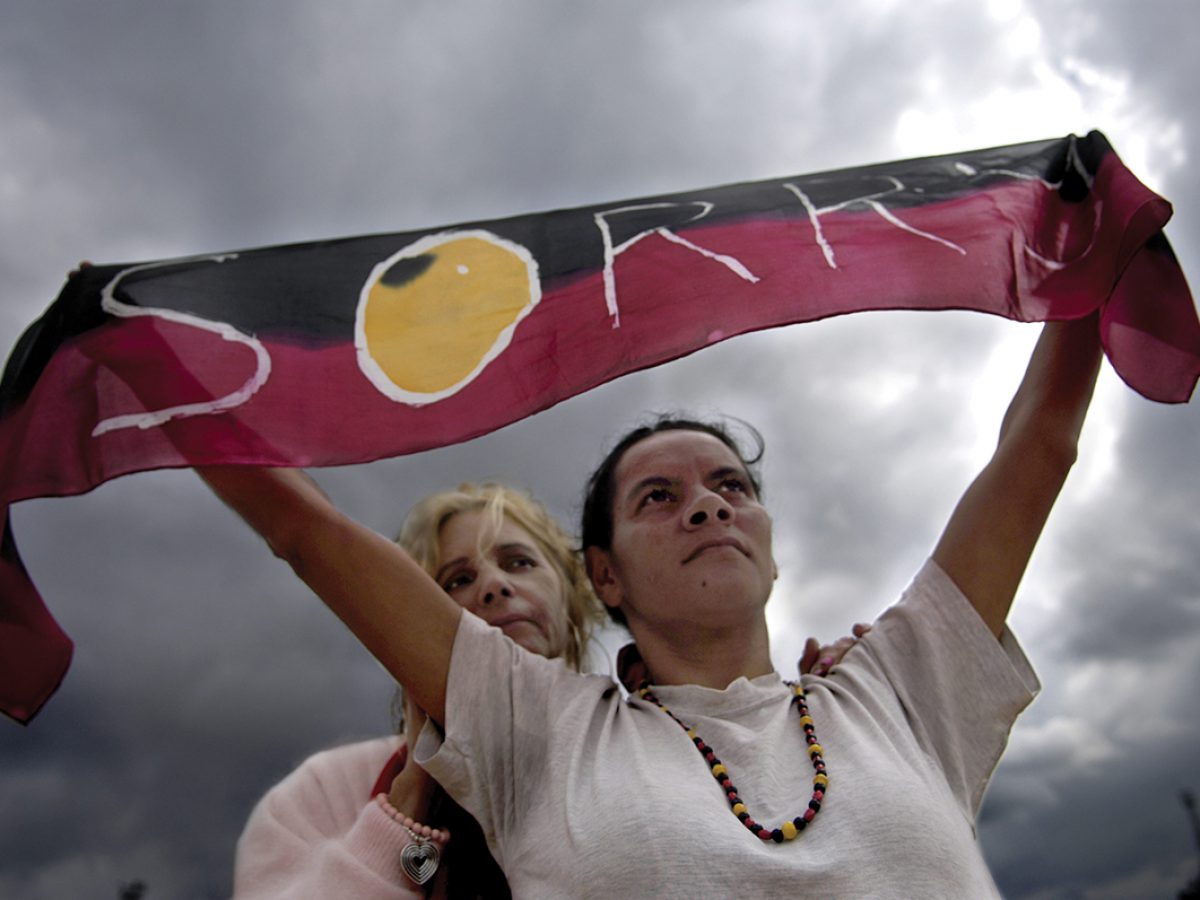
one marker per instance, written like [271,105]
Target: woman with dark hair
[361,820]
[715,777]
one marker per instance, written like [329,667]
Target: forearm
[279,504]
[1048,410]
[991,535]
[297,853]
[390,603]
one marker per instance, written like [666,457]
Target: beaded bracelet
[420,859]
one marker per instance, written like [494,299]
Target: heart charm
[419,860]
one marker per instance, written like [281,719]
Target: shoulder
[933,603]
[933,611]
[932,647]
[484,658]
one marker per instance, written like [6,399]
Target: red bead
[808,815]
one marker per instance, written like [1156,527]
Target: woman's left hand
[819,659]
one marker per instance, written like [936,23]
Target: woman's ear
[603,576]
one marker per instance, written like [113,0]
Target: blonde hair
[421,529]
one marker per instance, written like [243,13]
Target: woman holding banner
[345,822]
[705,781]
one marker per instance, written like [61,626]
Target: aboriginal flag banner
[350,350]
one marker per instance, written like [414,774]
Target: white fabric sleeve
[502,706]
[959,687]
[313,835]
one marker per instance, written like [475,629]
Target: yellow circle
[433,331]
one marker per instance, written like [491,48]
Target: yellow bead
[719,769]
[806,720]
[789,830]
[739,808]
[821,780]
[691,733]
[814,749]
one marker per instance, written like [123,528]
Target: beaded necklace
[787,830]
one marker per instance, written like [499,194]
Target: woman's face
[502,576]
[691,543]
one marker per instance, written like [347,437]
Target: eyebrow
[518,546]
[442,569]
[652,481]
[718,474]
[715,475]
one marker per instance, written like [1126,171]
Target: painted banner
[350,350]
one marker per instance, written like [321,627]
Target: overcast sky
[204,671]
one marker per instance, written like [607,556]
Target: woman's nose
[708,505]
[494,586]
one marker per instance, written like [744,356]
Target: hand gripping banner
[350,350]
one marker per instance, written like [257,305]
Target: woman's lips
[716,543]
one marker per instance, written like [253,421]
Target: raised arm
[388,601]
[991,534]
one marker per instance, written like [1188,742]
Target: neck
[713,658]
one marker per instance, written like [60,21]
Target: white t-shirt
[583,793]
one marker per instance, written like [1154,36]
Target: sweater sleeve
[318,834]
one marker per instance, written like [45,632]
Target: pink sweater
[317,833]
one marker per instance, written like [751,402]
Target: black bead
[777,836]
[743,815]
[800,822]
[814,805]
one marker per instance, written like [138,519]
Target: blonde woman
[341,824]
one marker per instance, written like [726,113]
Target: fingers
[83,264]
[808,659]
[819,659]
[831,655]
